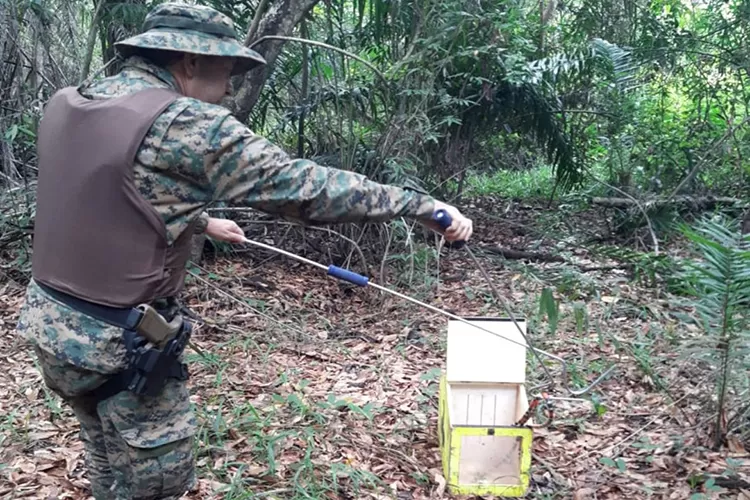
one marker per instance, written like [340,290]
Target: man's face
[208,78]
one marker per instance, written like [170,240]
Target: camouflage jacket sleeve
[247,169]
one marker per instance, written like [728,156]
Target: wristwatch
[202,223]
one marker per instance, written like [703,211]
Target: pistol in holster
[154,349]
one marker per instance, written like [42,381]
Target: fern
[720,284]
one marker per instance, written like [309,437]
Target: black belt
[126,318]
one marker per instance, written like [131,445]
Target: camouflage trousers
[136,447]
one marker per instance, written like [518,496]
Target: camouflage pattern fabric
[77,339]
[136,447]
[195,29]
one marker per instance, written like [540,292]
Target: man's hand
[225,230]
[460,229]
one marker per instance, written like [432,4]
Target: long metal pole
[364,281]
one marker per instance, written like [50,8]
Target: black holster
[149,367]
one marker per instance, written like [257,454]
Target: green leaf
[733,462]
[432,374]
[607,461]
[548,306]
[11,133]
[600,410]
[579,310]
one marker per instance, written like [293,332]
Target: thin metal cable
[562,362]
[402,296]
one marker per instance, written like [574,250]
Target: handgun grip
[154,328]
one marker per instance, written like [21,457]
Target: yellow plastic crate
[482,395]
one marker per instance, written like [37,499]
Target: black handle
[444,220]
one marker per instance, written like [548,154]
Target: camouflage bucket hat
[195,29]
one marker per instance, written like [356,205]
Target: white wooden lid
[478,356]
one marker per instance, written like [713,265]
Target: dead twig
[319,44]
[636,202]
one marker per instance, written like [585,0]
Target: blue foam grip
[349,276]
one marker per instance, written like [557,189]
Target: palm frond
[719,281]
[619,61]
[553,67]
[525,107]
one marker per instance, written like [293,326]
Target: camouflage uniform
[194,154]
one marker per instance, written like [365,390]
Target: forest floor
[325,390]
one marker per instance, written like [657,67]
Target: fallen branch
[611,267]
[703,202]
[521,255]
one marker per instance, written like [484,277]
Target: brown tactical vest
[95,236]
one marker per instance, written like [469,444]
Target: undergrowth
[16,222]
[537,182]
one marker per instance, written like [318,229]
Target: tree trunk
[707,202]
[281,18]
[91,41]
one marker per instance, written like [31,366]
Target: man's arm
[246,168]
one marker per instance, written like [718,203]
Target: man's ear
[190,64]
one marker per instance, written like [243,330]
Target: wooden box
[482,396]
